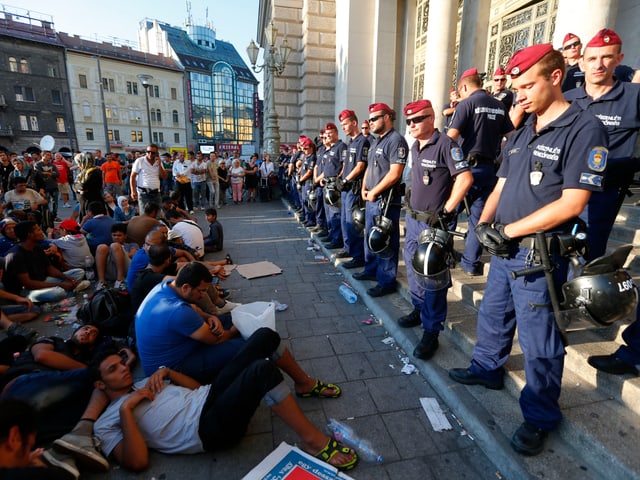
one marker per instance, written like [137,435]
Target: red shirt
[63,170]
[110,170]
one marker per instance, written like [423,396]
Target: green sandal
[331,449]
[318,391]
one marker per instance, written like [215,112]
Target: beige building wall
[127,113]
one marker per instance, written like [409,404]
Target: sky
[235,21]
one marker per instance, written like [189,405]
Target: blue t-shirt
[332,159]
[164,323]
[357,151]
[98,231]
[389,149]
[570,152]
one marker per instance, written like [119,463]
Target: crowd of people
[537,156]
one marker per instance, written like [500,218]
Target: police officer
[617,105]
[440,178]
[571,48]
[481,121]
[545,180]
[320,229]
[385,164]
[354,166]
[306,179]
[332,160]
[500,90]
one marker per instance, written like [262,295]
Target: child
[214,241]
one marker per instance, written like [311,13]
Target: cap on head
[5,222]
[173,234]
[380,107]
[70,225]
[414,107]
[499,71]
[604,38]
[306,142]
[569,36]
[469,73]
[330,126]
[525,58]
[346,114]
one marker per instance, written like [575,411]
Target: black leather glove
[339,184]
[493,240]
[446,217]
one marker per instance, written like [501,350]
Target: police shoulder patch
[598,159]
[456,154]
[402,153]
[461,165]
[591,179]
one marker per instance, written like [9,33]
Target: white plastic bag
[251,316]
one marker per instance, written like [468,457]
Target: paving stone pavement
[328,337]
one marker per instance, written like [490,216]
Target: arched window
[13,64]
[176,118]
[24,66]
[158,116]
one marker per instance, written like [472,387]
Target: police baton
[547,267]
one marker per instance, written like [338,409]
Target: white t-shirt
[23,201]
[168,424]
[191,235]
[148,175]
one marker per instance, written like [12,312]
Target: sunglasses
[499,79]
[417,120]
[571,45]
[376,118]
[152,152]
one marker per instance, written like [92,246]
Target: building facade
[34,94]
[108,97]
[350,53]
[220,88]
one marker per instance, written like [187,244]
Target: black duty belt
[149,191]
[424,217]
[475,159]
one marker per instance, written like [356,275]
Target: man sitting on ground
[215,240]
[189,231]
[140,225]
[97,226]
[112,261]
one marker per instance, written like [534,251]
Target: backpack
[110,310]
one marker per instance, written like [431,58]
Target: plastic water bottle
[347,292]
[346,435]
[88,267]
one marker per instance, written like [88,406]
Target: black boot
[410,320]
[427,346]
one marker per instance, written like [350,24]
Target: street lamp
[145,80]
[275,61]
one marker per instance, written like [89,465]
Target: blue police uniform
[321,215]
[333,158]
[482,122]
[308,162]
[573,78]
[357,151]
[567,153]
[619,111]
[435,165]
[506,97]
[389,149]
[293,181]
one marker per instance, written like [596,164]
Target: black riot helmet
[432,259]
[380,234]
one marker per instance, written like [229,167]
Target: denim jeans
[199,194]
[214,193]
[53,294]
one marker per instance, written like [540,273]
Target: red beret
[306,142]
[413,107]
[330,126]
[569,36]
[346,114]
[605,37]
[469,73]
[525,58]
[499,71]
[379,107]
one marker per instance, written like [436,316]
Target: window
[89,133]
[24,123]
[110,135]
[174,94]
[156,91]
[24,66]
[161,137]
[140,136]
[155,137]
[34,123]
[176,138]
[108,85]
[24,94]
[136,136]
[116,135]
[56,97]
[176,118]
[60,126]
[52,71]
[86,109]
[82,79]
[132,88]
[153,115]
[13,64]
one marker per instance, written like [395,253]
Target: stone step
[629,215]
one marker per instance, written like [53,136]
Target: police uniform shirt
[573,78]
[570,152]
[308,162]
[506,97]
[619,112]
[482,121]
[333,158]
[434,167]
[390,149]
[357,151]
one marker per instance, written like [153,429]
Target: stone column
[441,34]
[585,21]
[473,35]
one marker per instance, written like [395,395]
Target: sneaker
[83,285]
[100,286]
[61,461]
[84,450]
[17,329]
[121,285]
